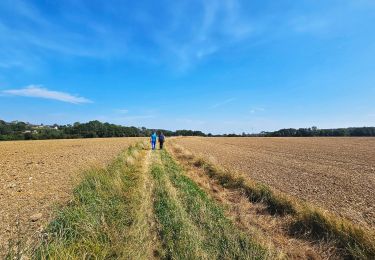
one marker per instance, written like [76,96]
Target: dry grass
[309,221]
[129,161]
[255,220]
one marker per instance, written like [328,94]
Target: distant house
[30,131]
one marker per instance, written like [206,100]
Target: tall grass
[192,225]
[308,221]
[104,220]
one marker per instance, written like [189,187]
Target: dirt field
[337,174]
[36,175]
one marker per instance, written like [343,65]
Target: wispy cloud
[180,35]
[122,111]
[256,109]
[217,24]
[225,102]
[37,91]
[32,36]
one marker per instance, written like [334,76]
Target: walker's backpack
[161,138]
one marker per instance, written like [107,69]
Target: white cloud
[227,101]
[256,109]
[40,92]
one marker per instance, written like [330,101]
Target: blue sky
[217,66]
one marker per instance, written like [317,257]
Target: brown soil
[37,175]
[336,174]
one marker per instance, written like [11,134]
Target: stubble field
[336,174]
[36,175]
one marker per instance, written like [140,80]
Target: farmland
[116,198]
[337,174]
[139,206]
[36,175]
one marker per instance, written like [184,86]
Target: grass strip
[180,237]
[103,221]
[353,241]
[192,225]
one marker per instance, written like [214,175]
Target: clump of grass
[178,148]
[309,221]
[188,155]
[102,221]
[193,226]
[129,161]
[355,242]
[212,160]
[135,153]
[141,145]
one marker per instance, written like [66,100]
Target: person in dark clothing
[161,140]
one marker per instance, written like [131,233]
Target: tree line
[17,130]
[314,131]
[310,132]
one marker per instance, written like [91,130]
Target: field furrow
[296,228]
[337,174]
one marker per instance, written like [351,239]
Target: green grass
[177,232]
[192,225]
[310,222]
[102,222]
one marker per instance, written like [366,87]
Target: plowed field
[336,174]
[35,175]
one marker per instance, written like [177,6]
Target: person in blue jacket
[153,140]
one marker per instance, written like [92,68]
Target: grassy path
[142,206]
[192,225]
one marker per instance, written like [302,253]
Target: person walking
[153,140]
[161,140]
